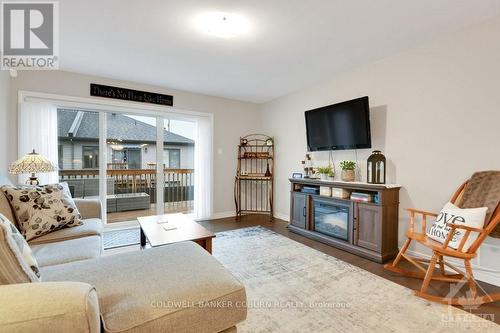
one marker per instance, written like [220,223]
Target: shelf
[254,178]
[255,158]
[339,199]
[252,189]
[342,184]
[242,146]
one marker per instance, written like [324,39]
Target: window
[90,157]
[172,158]
[127,158]
[117,161]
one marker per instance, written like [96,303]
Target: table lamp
[32,163]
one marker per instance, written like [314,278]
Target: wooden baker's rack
[253,184]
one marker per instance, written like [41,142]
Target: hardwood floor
[488,311]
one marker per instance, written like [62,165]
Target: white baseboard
[480,273]
[221,215]
[281,216]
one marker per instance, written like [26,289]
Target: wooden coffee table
[185,230]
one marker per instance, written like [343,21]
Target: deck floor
[170,207]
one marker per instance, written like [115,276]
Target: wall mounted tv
[339,126]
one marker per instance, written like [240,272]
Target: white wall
[5,150]
[231,119]
[435,113]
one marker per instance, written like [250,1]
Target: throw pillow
[472,217]
[17,264]
[42,209]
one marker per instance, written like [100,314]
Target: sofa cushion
[88,208]
[67,251]
[17,264]
[49,307]
[42,209]
[173,288]
[89,227]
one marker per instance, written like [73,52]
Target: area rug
[119,238]
[293,288]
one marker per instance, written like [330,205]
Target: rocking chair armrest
[424,214]
[464,227]
[468,231]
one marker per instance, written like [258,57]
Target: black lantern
[376,168]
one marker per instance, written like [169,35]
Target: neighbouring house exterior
[131,144]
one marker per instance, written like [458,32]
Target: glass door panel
[78,150]
[131,167]
[178,165]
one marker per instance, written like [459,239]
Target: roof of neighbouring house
[84,125]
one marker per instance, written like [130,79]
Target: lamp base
[33,180]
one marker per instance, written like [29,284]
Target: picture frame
[297,175]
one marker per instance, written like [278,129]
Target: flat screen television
[339,126]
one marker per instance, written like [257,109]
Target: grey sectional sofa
[174,288]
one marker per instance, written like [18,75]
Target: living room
[164,95]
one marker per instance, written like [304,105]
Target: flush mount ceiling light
[223,25]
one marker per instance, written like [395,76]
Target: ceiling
[292,44]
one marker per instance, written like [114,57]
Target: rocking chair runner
[483,189]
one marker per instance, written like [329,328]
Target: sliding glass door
[178,165]
[137,165]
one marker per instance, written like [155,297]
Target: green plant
[347,165]
[326,170]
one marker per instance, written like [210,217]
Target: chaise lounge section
[174,288]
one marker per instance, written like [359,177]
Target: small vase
[323,176]
[348,175]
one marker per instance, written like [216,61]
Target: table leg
[143,239]
[208,245]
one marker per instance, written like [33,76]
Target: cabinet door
[368,226]
[299,210]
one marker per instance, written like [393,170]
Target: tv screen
[339,126]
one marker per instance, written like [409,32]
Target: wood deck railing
[178,186]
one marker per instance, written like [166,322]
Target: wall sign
[130,95]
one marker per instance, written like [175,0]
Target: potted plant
[348,174]
[326,172]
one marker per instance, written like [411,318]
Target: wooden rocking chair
[483,189]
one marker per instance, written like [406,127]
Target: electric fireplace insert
[332,218]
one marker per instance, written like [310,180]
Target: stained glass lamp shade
[32,163]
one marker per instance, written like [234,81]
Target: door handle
[304,211]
